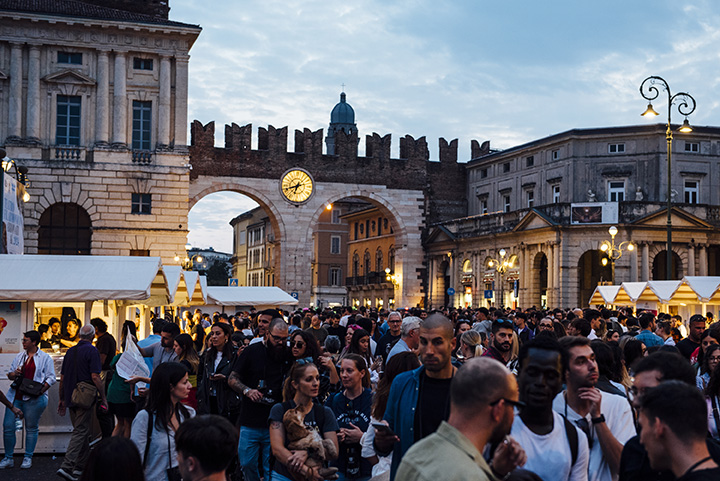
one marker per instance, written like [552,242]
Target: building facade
[253,259]
[549,203]
[93,101]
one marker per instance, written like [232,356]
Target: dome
[342,113]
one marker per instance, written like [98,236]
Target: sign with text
[12,233]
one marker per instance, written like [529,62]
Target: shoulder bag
[85,393]
[25,386]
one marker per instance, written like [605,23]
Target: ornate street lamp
[394,278]
[685,106]
[613,251]
[501,266]
[9,166]
[188,262]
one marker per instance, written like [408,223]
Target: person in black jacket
[214,395]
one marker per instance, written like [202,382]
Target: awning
[258,297]
[80,278]
[631,292]
[706,288]
[604,295]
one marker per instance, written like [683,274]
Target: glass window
[556,194]
[483,173]
[335,276]
[335,244]
[65,229]
[692,189]
[506,167]
[616,148]
[506,203]
[692,147]
[67,131]
[142,121]
[555,154]
[616,191]
[73,58]
[336,213]
[142,63]
[483,207]
[141,203]
[530,161]
[530,198]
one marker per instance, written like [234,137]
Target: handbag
[84,395]
[31,388]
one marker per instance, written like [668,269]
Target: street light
[613,251]
[188,261]
[20,171]
[685,106]
[501,266]
[394,278]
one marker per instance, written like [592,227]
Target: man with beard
[605,418]
[555,449]
[258,375]
[263,322]
[482,397]
[502,339]
[696,326]
[163,351]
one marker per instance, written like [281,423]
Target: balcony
[372,279]
[142,156]
[71,153]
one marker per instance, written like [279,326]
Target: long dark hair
[297,371]
[360,365]
[159,402]
[121,455]
[704,367]
[399,363]
[189,353]
[227,351]
[312,348]
[354,347]
[713,387]
[127,325]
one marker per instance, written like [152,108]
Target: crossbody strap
[149,438]
[716,415]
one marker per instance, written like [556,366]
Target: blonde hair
[473,340]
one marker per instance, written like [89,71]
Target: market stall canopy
[631,292]
[194,294]
[258,297]
[705,287]
[80,278]
[604,295]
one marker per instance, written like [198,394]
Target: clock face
[296,186]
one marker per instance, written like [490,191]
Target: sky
[509,72]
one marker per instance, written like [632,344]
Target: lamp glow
[685,127]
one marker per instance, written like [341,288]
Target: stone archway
[539,279]
[590,273]
[659,266]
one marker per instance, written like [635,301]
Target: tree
[217,274]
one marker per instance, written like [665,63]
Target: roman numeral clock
[297,186]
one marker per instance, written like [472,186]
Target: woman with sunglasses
[710,362]
[352,409]
[213,394]
[303,345]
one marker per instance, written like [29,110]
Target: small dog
[300,437]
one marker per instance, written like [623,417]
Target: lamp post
[6,165]
[614,251]
[188,262]
[501,266]
[685,106]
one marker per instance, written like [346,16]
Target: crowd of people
[363,394]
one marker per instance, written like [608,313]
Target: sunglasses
[515,404]
[298,344]
[546,326]
[505,321]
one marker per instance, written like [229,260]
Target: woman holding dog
[352,408]
[301,386]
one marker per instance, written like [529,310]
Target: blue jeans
[32,410]
[253,443]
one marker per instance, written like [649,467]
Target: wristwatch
[599,419]
[246,390]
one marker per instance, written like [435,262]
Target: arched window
[65,229]
[391,259]
[366,263]
[379,261]
[355,264]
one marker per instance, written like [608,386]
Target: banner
[12,238]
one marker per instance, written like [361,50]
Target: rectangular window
[141,203]
[139,252]
[616,191]
[692,147]
[692,189]
[336,213]
[555,154]
[530,198]
[335,244]
[67,131]
[506,203]
[530,161]
[142,63]
[483,207]
[506,167]
[72,58]
[335,276]
[556,194]
[142,120]
[616,148]
[483,173]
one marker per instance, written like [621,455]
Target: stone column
[633,265]
[551,275]
[119,137]
[645,262]
[181,103]
[32,128]
[163,121]
[691,259]
[15,103]
[557,281]
[102,105]
[703,271]
[431,280]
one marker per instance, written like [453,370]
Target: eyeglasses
[298,344]
[549,327]
[515,404]
[715,359]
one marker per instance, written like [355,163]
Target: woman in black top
[304,345]
[214,395]
[188,357]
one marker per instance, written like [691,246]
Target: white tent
[80,278]
[258,297]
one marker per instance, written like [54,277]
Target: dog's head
[293,420]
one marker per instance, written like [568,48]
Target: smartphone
[384,428]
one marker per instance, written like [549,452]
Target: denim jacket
[400,413]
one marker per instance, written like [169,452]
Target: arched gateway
[400,188]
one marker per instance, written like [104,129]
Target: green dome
[343,113]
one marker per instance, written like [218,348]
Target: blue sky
[508,72]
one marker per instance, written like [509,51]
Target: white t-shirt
[549,455]
[618,416]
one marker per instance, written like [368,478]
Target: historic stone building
[93,101]
[549,204]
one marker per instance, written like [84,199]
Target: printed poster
[10,331]
[12,234]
